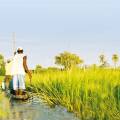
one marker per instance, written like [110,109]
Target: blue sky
[45,28]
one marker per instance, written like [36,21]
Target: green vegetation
[3,112]
[115,59]
[92,94]
[1,78]
[68,60]
[2,65]
[38,68]
[3,101]
[102,58]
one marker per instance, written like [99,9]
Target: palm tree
[102,59]
[115,59]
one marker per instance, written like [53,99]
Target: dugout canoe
[20,97]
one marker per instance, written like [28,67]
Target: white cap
[19,48]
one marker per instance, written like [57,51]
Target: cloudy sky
[45,28]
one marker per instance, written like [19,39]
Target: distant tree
[53,69]
[1,60]
[2,65]
[38,68]
[102,59]
[105,65]
[68,60]
[115,59]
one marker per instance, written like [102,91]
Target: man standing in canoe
[18,70]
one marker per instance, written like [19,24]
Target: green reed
[92,94]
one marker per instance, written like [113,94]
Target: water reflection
[32,110]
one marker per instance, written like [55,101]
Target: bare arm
[26,67]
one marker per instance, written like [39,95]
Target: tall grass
[4,103]
[93,94]
[1,78]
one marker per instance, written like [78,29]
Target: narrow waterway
[33,109]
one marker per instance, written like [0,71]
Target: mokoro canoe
[20,97]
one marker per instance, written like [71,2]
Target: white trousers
[19,82]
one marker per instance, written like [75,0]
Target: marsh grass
[93,94]
[4,103]
[1,78]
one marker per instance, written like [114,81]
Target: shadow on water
[33,109]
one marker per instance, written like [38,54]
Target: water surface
[33,109]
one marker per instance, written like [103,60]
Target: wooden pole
[14,42]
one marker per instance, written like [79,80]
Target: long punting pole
[14,42]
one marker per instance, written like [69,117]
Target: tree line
[66,61]
[104,62]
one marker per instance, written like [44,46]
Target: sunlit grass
[91,94]
[4,103]
[1,78]
[4,106]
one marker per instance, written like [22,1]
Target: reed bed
[92,94]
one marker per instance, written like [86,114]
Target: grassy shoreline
[90,94]
[93,94]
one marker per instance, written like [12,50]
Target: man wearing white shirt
[19,68]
